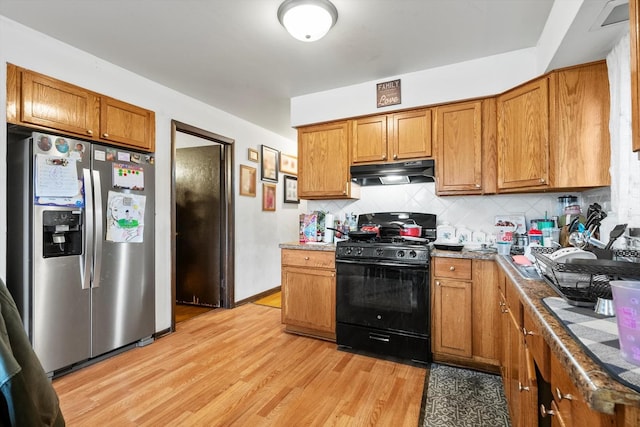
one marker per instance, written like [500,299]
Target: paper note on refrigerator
[125,217]
[128,176]
[56,176]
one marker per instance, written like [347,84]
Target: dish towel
[599,337]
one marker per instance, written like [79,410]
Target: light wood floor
[237,367]
[187,311]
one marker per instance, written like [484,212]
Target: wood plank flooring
[187,311]
[239,368]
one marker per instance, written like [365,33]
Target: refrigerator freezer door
[61,316]
[123,295]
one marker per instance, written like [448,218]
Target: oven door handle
[382,263]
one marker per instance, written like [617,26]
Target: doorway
[202,222]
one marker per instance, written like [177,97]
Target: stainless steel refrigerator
[80,246]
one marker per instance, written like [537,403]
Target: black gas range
[382,289]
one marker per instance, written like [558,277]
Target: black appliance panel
[383,295]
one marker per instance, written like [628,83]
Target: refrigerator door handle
[97,265]
[85,261]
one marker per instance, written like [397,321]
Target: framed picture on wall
[247,181]
[290,189]
[253,155]
[268,197]
[288,164]
[269,169]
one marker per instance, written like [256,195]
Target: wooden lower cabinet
[309,292]
[527,365]
[463,317]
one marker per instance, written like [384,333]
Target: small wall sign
[388,93]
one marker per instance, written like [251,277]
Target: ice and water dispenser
[62,233]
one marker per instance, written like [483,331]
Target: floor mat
[273,300]
[455,397]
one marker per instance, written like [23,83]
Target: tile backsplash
[476,213]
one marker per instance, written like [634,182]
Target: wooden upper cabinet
[126,124]
[369,141]
[57,105]
[458,148]
[392,137]
[580,142]
[411,134]
[323,162]
[47,104]
[523,136]
[634,41]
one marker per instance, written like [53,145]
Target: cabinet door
[634,41]
[57,105]
[308,298]
[458,148]
[580,148]
[126,124]
[452,317]
[323,161]
[410,134]
[485,316]
[523,136]
[369,140]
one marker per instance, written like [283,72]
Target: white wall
[257,233]
[481,77]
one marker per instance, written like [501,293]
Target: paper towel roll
[328,234]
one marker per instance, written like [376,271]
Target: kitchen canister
[626,302]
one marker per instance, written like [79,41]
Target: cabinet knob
[541,180]
[478,186]
[521,387]
[452,268]
[563,396]
[306,258]
[105,135]
[384,157]
[437,283]
[89,132]
[525,332]
[395,157]
[544,411]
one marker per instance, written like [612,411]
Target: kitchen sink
[526,272]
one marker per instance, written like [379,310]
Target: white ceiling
[235,55]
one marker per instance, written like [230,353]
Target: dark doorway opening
[202,222]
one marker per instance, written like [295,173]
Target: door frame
[227,250]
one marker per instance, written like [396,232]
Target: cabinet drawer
[454,268]
[302,258]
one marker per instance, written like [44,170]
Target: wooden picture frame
[248,181]
[288,164]
[290,189]
[268,197]
[269,164]
[253,155]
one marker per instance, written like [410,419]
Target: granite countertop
[330,247]
[598,389]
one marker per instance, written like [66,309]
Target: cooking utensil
[407,229]
[617,231]
[356,235]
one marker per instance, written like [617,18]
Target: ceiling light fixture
[307,20]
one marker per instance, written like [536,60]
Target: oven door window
[383,295]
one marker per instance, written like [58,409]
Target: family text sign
[388,93]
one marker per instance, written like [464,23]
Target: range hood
[394,173]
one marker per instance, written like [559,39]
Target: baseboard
[257,296]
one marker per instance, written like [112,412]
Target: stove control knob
[379,251]
[379,317]
[400,254]
[349,251]
[413,254]
[359,251]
